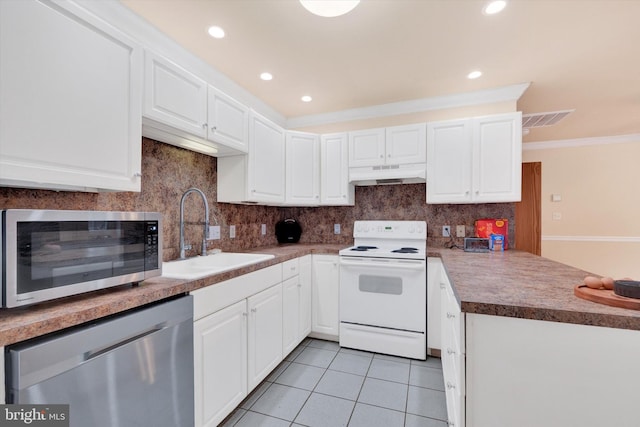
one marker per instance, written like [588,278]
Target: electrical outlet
[263,229]
[214,232]
[446,231]
[336,228]
[460,231]
[232,231]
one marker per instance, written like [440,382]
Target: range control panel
[390,229]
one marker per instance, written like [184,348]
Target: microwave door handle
[417,266]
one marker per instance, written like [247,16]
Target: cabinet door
[406,144]
[228,120]
[70,107]
[325,295]
[290,314]
[453,347]
[449,163]
[220,363]
[366,147]
[304,283]
[174,97]
[265,333]
[334,170]
[266,166]
[303,168]
[497,154]
[434,267]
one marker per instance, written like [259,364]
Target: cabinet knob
[477,191]
[381,156]
[253,310]
[450,315]
[137,174]
[449,385]
[450,351]
[299,285]
[204,126]
[213,128]
[244,313]
[466,192]
[442,286]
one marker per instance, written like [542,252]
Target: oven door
[389,293]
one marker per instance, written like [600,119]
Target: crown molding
[486,96]
[581,142]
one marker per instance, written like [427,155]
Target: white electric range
[383,288]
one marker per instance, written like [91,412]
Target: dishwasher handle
[91,354]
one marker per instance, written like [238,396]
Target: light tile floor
[320,384]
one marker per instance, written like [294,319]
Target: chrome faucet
[206,221]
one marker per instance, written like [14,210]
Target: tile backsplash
[168,171]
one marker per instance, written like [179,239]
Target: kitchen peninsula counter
[512,284]
[518,284]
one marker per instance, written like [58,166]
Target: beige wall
[599,228]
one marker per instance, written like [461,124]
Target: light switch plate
[232,231]
[336,228]
[263,229]
[460,231]
[214,232]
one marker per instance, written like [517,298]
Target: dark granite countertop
[519,284]
[513,283]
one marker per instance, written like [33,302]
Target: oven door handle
[403,266]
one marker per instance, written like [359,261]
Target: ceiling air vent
[538,120]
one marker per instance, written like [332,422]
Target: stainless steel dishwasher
[134,369]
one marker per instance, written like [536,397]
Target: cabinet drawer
[290,268]
[215,297]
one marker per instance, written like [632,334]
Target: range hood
[388,174]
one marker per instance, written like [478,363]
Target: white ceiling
[577,54]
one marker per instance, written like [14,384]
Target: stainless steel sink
[201,266]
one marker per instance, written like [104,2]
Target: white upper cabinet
[449,149]
[396,145]
[303,168]
[497,153]
[475,160]
[174,97]
[259,176]
[366,147]
[266,160]
[182,109]
[228,120]
[70,104]
[334,170]
[406,144]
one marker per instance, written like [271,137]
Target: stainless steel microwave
[48,254]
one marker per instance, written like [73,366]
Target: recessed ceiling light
[266,76]
[216,32]
[329,8]
[306,98]
[474,74]
[494,7]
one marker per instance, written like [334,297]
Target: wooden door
[528,211]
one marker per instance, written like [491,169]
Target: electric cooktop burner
[406,251]
[363,248]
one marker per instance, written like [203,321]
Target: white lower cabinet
[264,334]
[434,270]
[243,329]
[296,304]
[453,353]
[325,287]
[220,352]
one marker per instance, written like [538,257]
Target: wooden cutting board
[606,296]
